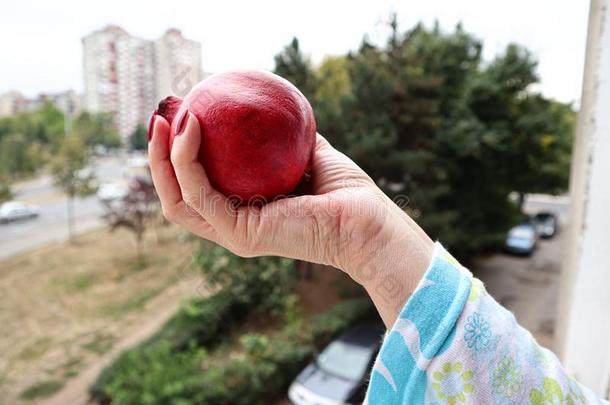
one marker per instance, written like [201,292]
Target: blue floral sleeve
[454,344]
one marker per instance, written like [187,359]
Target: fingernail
[151,124]
[181,121]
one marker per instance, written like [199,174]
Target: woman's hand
[346,222]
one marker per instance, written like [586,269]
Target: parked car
[109,192]
[522,239]
[137,162]
[17,210]
[546,224]
[339,374]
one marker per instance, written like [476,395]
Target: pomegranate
[258,132]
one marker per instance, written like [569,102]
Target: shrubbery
[201,322]
[158,373]
[177,364]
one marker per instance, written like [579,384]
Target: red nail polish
[181,121]
[151,125]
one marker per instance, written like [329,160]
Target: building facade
[177,64]
[126,76]
[583,331]
[119,73]
[69,102]
[11,103]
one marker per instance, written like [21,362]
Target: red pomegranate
[258,132]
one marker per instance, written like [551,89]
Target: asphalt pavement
[529,286]
[52,223]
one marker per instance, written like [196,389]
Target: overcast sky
[41,48]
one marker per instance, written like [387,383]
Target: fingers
[166,184]
[194,184]
[322,143]
[293,227]
[160,166]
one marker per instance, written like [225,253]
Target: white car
[17,210]
[109,192]
[137,162]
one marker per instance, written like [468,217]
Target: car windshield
[11,206]
[344,360]
[521,232]
[518,240]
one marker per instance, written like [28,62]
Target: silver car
[338,376]
[109,192]
[17,210]
[521,239]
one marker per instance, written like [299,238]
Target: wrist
[390,264]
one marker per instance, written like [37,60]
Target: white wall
[584,319]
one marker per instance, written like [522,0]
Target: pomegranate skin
[258,133]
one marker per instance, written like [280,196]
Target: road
[51,225]
[529,286]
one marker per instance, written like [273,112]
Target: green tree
[96,129]
[435,126]
[5,190]
[293,66]
[20,156]
[26,140]
[391,122]
[333,88]
[529,137]
[333,82]
[138,139]
[542,139]
[69,169]
[46,125]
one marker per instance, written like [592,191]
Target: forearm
[453,343]
[392,263]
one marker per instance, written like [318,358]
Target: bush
[201,322]
[156,372]
[259,376]
[270,364]
[170,367]
[261,284]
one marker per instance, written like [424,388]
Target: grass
[133,303]
[95,291]
[77,283]
[72,366]
[42,389]
[100,344]
[36,349]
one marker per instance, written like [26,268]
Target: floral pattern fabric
[454,344]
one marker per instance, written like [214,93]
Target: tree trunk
[140,256]
[157,236]
[70,203]
[304,270]
[521,201]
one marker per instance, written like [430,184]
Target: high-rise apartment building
[177,64]
[119,76]
[126,76]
